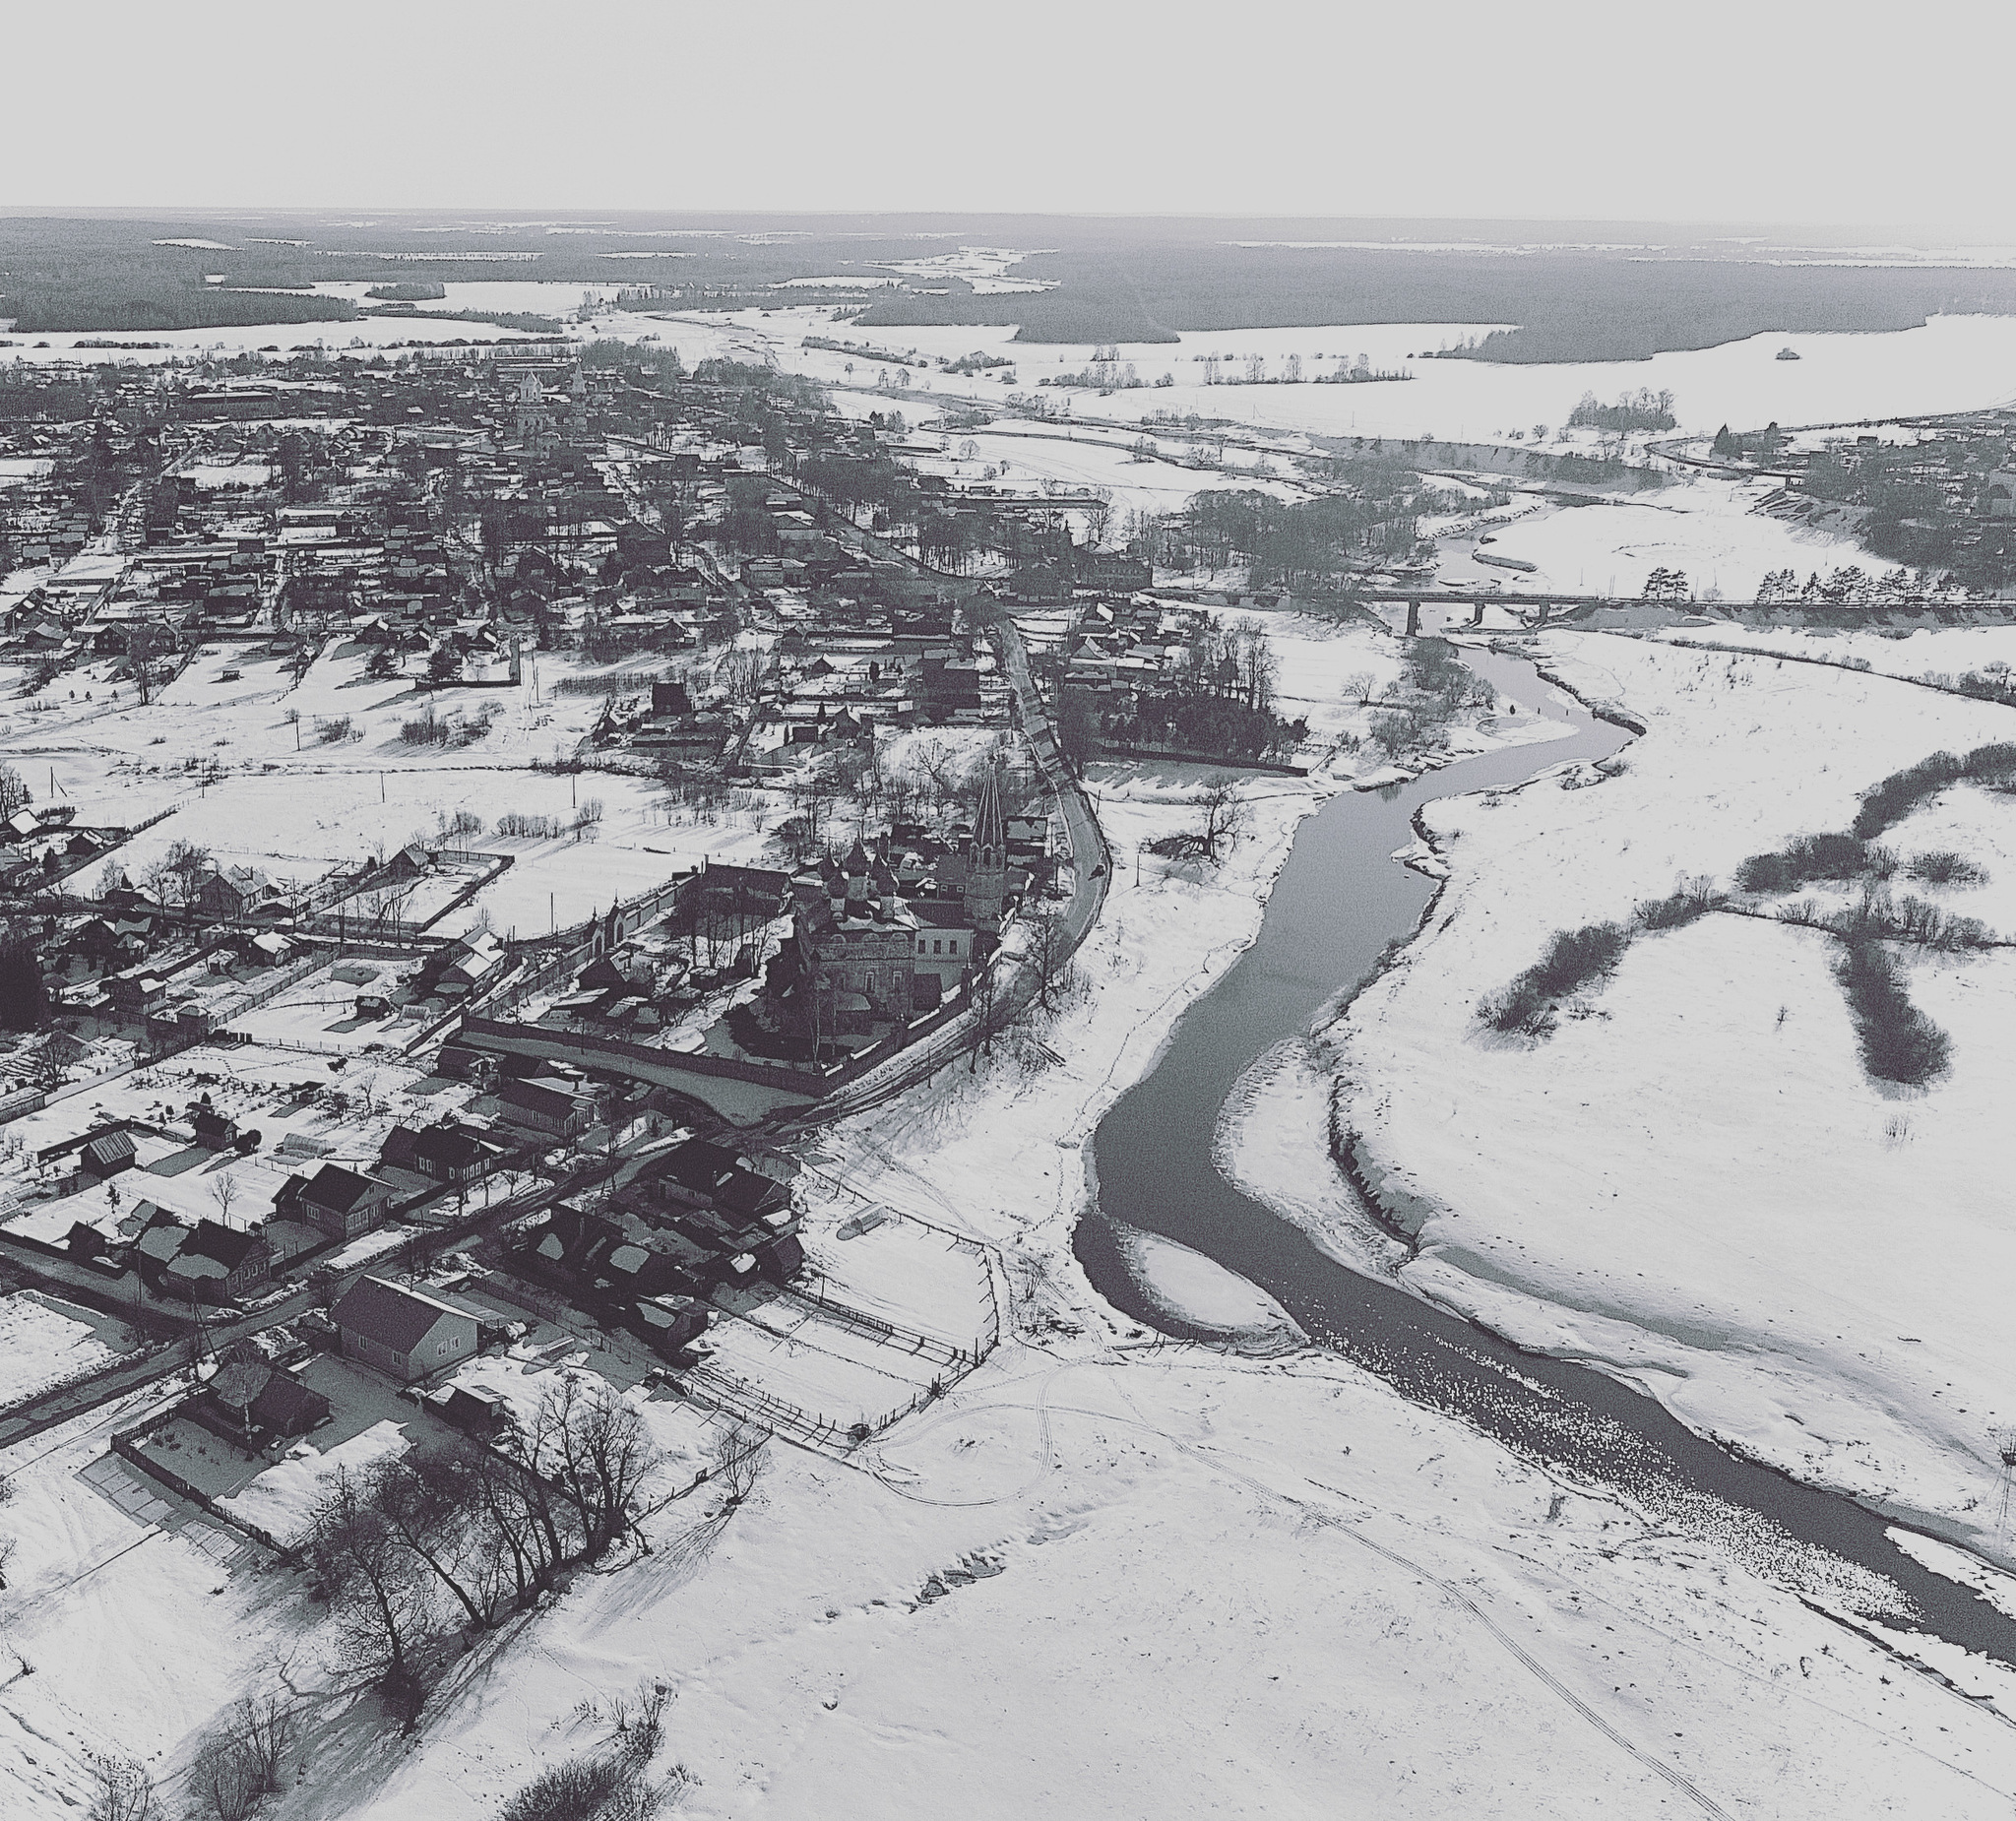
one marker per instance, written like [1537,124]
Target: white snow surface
[1202,1293]
[283,1498]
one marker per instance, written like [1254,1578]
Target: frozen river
[1335,906]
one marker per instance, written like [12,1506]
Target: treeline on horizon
[1567,306]
[65,274]
[1116,281]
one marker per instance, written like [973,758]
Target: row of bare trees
[484,1532]
[481,1533]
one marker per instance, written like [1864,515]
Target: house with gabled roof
[543,1107]
[402,1332]
[337,1201]
[208,1262]
[234,892]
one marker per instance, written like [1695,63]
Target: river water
[1338,902]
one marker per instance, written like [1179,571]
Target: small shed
[109,1154]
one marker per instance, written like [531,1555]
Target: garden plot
[46,1343]
[685,1435]
[343,1119]
[320,1013]
[369,1418]
[831,1372]
[913,1277]
[281,1500]
[295,778]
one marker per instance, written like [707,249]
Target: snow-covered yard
[46,1341]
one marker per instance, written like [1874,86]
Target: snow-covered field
[1704,526]
[1692,1183]
[44,1342]
[1952,363]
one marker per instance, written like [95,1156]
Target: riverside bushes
[1577,957]
[1854,854]
[1887,804]
[1899,1042]
[1878,918]
[1811,857]
[1696,898]
[1574,958]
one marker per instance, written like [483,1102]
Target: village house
[235,892]
[208,1262]
[402,1332]
[543,1107]
[257,1399]
[452,1153]
[334,1201]
[109,1154]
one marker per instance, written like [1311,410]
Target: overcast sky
[1779,111]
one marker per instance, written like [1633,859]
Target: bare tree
[144,638]
[601,1455]
[738,1461]
[239,1761]
[121,1790]
[1048,950]
[1224,816]
[377,1588]
[433,1507]
[45,1068]
[264,1727]
[521,1517]
[223,1780]
[224,1190]
[184,864]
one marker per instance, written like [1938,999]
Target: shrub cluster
[1877,917]
[1696,898]
[427,730]
[530,828]
[1574,958]
[1887,804]
[1809,857]
[1944,867]
[1899,1042]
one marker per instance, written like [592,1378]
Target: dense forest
[1588,292]
[1556,306]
